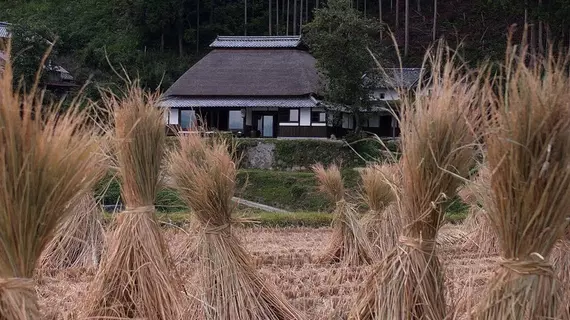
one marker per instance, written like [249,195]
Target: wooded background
[157,40]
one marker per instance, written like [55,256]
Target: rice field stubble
[287,257]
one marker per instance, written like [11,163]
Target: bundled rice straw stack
[47,159]
[481,236]
[230,287]
[79,239]
[560,258]
[527,142]
[381,224]
[134,279]
[349,243]
[409,283]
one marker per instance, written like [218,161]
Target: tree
[434,20]
[380,16]
[29,45]
[338,37]
[406,28]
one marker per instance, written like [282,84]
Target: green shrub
[456,210]
[305,153]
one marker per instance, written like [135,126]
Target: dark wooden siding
[303,131]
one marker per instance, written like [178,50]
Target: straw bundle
[560,258]
[134,279]
[527,141]
[349,243]
[79,239]
[205,176]
[379,191]
[46,161]
[409,284]
[481,236]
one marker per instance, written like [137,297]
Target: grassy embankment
[291,191]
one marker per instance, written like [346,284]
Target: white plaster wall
[173,119]
[305,116]
[389,94]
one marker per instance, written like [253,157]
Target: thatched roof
[249,72]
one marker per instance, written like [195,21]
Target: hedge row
[302,153]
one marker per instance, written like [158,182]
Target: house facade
[380,117]
[268,86]
[255,86]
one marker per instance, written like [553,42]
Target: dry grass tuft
[481,236]
[230,286]
[349,243]
[330,181]
[527,140]
[560,258]
[79,239]
[380,184]
[134,279]
[47,159]
[436,151]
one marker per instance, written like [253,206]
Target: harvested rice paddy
[287,257]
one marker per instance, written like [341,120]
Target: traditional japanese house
[258,86]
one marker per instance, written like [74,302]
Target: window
[318,116]
[294,115]
[235,120]
[288,115]
[382,96]
[187,119]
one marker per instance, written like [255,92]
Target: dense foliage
[158,40]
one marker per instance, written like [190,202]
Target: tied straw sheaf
[380,191]
[349,243]
[528,134]
[437,136]
[79,240]
[48,158]
[136,278]
[204,173]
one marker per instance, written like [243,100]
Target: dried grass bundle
[436,149]
[349,243]
[380,184]
[449,235]
[481,236]
[231,288]
[135,279]
[527,142]
[47,159]
[560,259]
[79,239]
